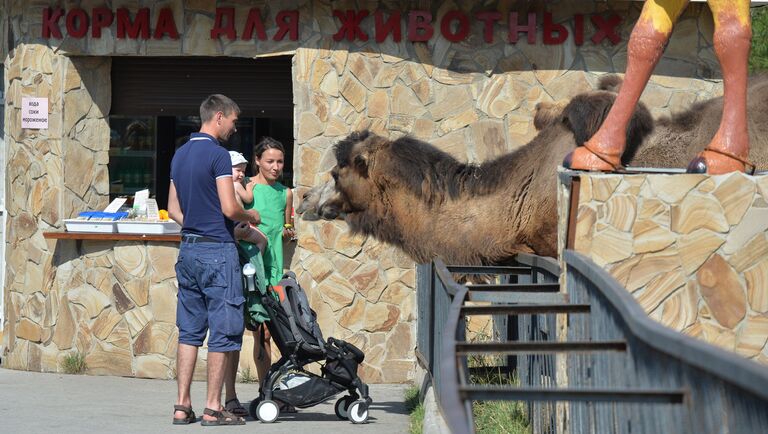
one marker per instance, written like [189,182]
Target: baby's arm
[245,194]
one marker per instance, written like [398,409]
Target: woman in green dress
[274,202]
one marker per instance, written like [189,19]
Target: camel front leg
[646,44]
[729,148]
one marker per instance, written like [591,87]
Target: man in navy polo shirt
[210,299]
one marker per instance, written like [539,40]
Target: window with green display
[141,149]
[132,153]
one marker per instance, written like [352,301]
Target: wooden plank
[518,309]
[487,269]
[518,298]
[111,237]
[537,347]
[500,393]
[516,287]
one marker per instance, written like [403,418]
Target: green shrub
[758,56]
[74,363]
[415,409]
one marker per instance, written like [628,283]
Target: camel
[410,194]
[314,203]
[728,148]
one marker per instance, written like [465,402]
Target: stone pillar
[690,248]
[86,98]
[2,193]
[3,52]
[52,174]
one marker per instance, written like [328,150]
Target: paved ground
[46,403]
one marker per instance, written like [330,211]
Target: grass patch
[246,376]
[74,363]
[509,417]
[415,409]
[500,417]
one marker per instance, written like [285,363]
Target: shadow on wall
[289,250]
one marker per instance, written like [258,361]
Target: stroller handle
[347,347]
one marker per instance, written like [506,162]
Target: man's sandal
[186,420]
[223,417]
[233,406]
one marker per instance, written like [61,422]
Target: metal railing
[521,300]
[624,373]
[722,392]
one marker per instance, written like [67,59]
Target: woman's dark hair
[267,143]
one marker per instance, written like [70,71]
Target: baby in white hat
[244,231]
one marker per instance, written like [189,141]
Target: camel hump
[586,112]
[610,82]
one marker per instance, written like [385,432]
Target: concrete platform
[33,402]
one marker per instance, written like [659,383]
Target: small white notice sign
[152,212]
[115,205]
[34,113]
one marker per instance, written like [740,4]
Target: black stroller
[294,329]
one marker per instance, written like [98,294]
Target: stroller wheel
[342,407]
[267,411]
[358,412]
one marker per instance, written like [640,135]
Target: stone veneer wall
[472,99]
[692,249]
[52,174]
[3,50]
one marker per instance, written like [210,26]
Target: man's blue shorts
[210,296]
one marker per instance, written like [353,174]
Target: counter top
[111,237]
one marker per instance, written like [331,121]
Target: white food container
[145,227]
[79,225]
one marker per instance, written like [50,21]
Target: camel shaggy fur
[412,195]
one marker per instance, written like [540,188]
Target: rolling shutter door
[175,86]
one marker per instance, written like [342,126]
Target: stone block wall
[51,174]
[2,196]
[692,249]
[113,302]
[472,99]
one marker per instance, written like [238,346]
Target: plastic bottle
[249,271]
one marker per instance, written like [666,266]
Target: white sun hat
[237,158]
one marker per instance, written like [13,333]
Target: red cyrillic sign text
[454,25]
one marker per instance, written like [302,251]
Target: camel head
[351,190]
[355,165]
[320,203]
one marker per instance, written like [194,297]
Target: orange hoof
[718,162]
[583,158]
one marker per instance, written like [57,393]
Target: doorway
[155,106]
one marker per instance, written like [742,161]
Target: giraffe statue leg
[729,148]
[651,32]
